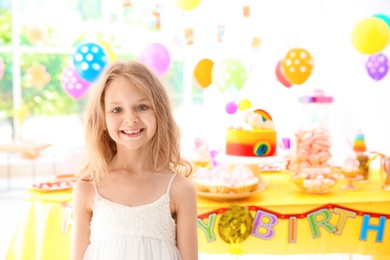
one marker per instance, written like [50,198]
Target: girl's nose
[131,118]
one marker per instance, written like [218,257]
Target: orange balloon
[203,73]
[297,65]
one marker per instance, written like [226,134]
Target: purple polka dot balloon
[231,108]
[377,66]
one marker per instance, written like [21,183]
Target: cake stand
[350,180]
[253,163]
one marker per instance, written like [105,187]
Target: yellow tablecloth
[290,221]
[43,231]
[285,221]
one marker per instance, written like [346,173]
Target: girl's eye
[142,107]
[117,110]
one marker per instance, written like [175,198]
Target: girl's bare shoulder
[84,191]
[183,185]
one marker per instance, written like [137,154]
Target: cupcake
[350,168]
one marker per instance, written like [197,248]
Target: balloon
[202,73]
[244,104]
[280,76]
[370,36]
[229,73]
[73,84]
[231,108]
[384,17]
[187,4]
[377,66]
[109,51]
[89,60]
[1,68]
[156,56]
[297,65]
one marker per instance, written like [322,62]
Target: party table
[44,228]
[283,220]
[286,220]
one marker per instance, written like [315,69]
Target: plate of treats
[223,182]
[228,196]
[53,185]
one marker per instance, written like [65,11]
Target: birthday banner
[330,228]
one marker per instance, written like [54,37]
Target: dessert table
[284,220]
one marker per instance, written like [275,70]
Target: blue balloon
[384,17]
[89,60]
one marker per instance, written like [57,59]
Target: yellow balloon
[370,36]
[187,4]
[109,51]
[244,104]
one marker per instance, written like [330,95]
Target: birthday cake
[254,137]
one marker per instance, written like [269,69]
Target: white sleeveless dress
[146,232]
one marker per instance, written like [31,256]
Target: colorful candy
[312,148]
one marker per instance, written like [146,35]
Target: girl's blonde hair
[164,150]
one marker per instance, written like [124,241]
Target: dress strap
[170,181]
[96,190]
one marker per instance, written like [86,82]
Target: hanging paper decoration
[297,65]
[73,84]
[1,68]
[156,56]
[221,33]
[189,36]
[37,76]
[246,11]
[256,42]
[370,36]
[229,73]
[89,59]
[377,66]
[280,76]
[37,34]
[203,72]
[187,5]
[155,24]
[126,3]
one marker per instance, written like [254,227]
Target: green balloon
[229,73]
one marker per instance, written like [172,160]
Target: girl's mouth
[132,132]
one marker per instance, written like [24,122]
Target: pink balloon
[231,108]
[73,84]
[1,68]
[156,56]
[279,75]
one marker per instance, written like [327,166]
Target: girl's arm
[184,194]
[82,212]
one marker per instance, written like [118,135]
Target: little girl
[132,199]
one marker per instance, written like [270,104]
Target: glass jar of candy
[312,142]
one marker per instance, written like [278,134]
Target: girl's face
[130,119]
